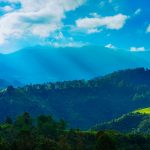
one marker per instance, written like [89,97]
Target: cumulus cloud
[110,22]
[110,46]
[137,49]
[38,18]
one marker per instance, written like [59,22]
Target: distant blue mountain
[41,64]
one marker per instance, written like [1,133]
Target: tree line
[46,133]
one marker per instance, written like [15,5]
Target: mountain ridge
[43,63]
[82,103]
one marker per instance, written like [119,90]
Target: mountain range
[44,64]
[82,103]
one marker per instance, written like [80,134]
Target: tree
[24,120]
[10,89]
[62,125]
[63,143]
[47,144]
[105,141]
[47,126]
[3,144]
[8,120]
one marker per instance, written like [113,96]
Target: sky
[115,24]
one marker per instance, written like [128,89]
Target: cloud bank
[34,17]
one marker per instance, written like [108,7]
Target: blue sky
[116,24]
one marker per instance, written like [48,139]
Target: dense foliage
[45,133]
[81,103]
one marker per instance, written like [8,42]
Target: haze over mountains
[43,64]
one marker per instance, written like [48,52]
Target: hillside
[82,103]
[135,122]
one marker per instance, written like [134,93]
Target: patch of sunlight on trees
[143,111]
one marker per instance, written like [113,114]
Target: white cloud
[110,46]
[138,11]
[110,22]
[7,8]
[137,49]
[91,31]
[60,40]
[66,42]
[148,29]
[59,36]
[35,18]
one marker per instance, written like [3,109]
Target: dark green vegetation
[45,133]
[130,123]
[81,103]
